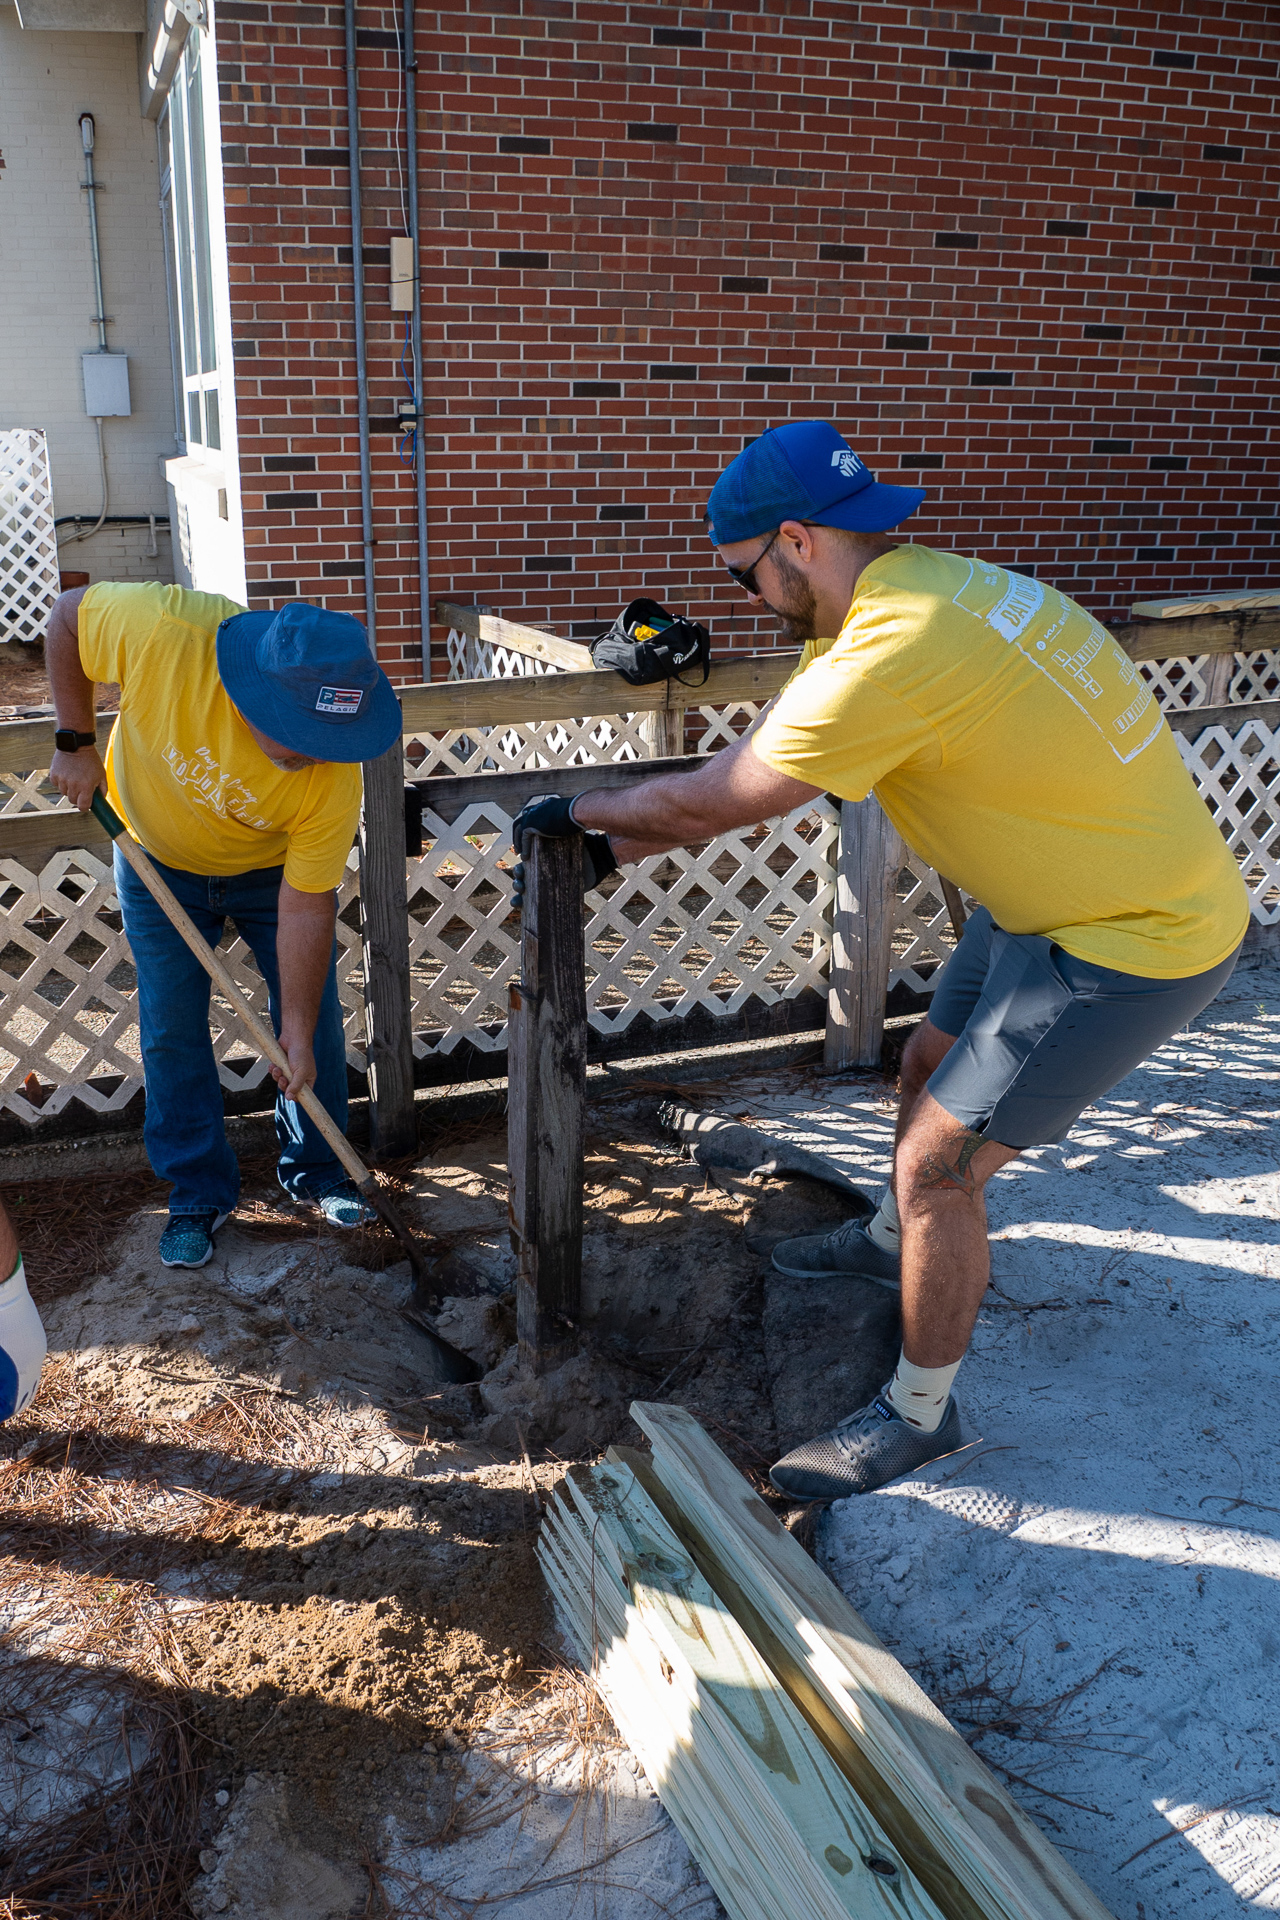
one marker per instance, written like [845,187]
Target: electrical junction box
[106,384]
[401,274]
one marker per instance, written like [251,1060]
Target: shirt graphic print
[1068,645]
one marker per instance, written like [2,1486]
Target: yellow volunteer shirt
[183,770]
[1015,746]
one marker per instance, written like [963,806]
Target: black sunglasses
[746,576]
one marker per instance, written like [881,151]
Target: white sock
[884,1227]
[920,1394]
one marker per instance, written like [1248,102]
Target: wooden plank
[1245,632]
[449,795]
[789,1837]
[975,1851]
[547,1077]
[1194,720]
[33,838]
[28,744]
[1190,604]
[447,704]
[384,933]
[479,624]
[868,861]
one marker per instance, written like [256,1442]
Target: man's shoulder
[144,605]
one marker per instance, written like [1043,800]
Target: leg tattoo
[940,1170]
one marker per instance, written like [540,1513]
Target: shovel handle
[220,974]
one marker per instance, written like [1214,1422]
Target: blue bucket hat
[305,677]
[802,471]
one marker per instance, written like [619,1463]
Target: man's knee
[939,1156]
[925,1051]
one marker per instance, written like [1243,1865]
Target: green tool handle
[219,973]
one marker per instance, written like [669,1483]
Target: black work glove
[549,814]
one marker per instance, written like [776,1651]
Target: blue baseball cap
[802,471]
[305,677]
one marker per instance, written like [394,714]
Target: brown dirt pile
[240,1516]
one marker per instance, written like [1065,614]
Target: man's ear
[800,538]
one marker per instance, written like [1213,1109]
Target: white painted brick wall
[46,280]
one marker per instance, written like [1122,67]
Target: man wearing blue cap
[235,763]
[1016,747]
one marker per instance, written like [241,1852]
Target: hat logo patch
[339,700]
[847,461]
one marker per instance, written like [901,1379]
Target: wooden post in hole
[870,856]
[384,932]
[546,1090]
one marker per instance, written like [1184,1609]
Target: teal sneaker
[344,1206]
[187,1241]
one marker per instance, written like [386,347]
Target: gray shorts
[1041,1035]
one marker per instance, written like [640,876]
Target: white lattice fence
[747,916]
[1185,682]
[69,1024]
[28,537]
[701,930]
[1239,776]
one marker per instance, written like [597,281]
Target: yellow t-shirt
[183,771]
[1015,746]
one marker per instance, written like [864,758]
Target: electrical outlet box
[106,384]
[401,275]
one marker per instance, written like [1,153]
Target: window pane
[193,418]
[182,233]
[200,210]
[214,436]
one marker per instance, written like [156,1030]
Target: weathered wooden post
[384,931]
[546,1090]
[870,856]
[663,732]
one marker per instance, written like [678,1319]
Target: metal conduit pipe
[409,51]
[362,367]
[384,906]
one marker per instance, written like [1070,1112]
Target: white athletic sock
[920,1394]
[884,1226]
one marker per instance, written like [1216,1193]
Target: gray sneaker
[849,1249]
[866,1451]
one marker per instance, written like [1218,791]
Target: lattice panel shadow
[29,582]
[747,916]
[1239,778]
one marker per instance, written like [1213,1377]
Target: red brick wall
[1065,211]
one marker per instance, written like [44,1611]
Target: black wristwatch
[67,740]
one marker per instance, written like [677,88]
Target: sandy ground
[272,1639]
[1091,1593]
[267,1593]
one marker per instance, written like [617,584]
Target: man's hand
[549,814]
[302,1064]
[79,775]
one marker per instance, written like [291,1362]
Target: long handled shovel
[460,1366]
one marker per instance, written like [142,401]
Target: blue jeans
[185,1136]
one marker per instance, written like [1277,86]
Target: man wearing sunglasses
[1015,746]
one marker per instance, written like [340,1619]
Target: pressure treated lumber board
[778,1828]
[1244,601]
[480,624]
[974,1850]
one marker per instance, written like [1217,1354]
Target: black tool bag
[647,643]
